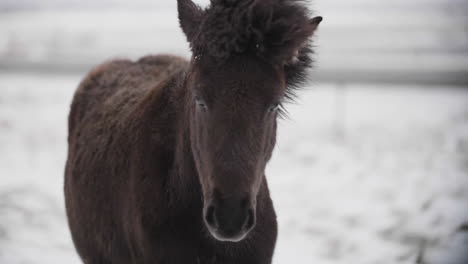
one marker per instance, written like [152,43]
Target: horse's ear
[190,16]
[299,39]
[314,22]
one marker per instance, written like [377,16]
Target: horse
[166,156]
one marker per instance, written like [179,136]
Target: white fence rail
[359,40]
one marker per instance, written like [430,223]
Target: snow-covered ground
[362,174]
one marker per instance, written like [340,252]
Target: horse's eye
[274,107]
[200,103]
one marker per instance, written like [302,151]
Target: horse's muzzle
[229,219]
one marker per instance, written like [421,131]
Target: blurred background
[371,166]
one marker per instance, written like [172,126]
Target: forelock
[263,28]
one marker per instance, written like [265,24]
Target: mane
[273,30]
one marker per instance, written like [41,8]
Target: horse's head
[247,57]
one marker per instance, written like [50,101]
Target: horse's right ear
[190,16]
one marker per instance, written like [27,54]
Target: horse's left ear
[190,16]
[314,22]
[300,39]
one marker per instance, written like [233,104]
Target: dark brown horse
[166,157]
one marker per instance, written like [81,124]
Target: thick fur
[126,200]
[132,190]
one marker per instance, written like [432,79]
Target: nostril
[250,221]
[210,216]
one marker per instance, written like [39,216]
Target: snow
[376,182]
[361,173]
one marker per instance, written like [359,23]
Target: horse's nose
[231,218]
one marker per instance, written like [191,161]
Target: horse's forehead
[241,80]
[243,92]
